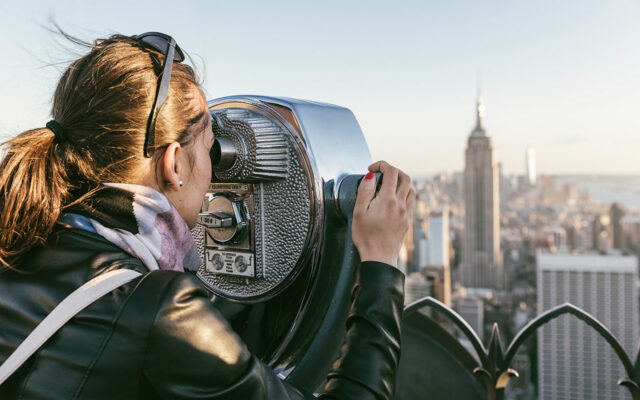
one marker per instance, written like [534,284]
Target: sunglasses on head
[165,45]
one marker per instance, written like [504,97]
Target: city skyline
[559,77]
[559,244]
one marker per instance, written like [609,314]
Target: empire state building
[481,264]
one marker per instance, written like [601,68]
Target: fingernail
[369,176]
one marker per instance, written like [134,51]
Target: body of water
[606,189]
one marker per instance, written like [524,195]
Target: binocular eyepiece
[223,154]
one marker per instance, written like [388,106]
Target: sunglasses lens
[161,45]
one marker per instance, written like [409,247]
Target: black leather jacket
[159,337]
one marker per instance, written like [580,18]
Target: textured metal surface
[198,235]
[332,135]
[261,144]
[272,150]
[282,207]
[243,139]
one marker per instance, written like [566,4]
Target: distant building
[472,310]
[481,264]
[416,286]
[438,238]
[601,232]
[436,263]
[574,361]
[531,167]
[502,183]
[407,254]
[439,278]
[604,241]
[521,317]
[632,224]
[617,214]
[581,240]
[559,239]
[578,237]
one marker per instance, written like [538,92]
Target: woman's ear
[170,166]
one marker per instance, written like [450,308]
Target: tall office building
[438,238]
[481,264]
[574,361]
[436,264]
[432,252]
[531,166]
[617,214]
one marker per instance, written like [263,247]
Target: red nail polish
[369,176]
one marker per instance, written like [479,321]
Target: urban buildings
[574,361]
[481,264]
[540,243]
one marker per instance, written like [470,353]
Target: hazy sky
[561,76]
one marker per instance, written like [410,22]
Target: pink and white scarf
[140,221]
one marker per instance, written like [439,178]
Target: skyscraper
[617,214]
[481,264]
[531,166]
[438,238]
[574,361]
[436,264]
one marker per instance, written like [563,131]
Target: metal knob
[226,220]
[217,219]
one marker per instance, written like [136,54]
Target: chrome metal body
[294,156]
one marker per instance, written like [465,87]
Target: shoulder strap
[67,309]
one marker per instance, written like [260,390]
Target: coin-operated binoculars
[274,231]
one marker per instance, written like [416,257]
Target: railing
[494,371]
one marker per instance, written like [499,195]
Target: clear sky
[561,76]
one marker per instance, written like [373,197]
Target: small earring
[180,183]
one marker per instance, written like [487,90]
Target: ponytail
[33,190]
[103,101]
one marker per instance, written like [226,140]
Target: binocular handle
[346,193]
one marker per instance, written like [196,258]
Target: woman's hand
[380,222]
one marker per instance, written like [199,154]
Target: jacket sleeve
[369,357]
[192,352]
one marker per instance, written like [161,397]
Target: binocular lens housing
[223,154]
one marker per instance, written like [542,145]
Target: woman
[116,180]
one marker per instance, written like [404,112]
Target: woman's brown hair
[103,102]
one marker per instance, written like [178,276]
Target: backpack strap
[67,309]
